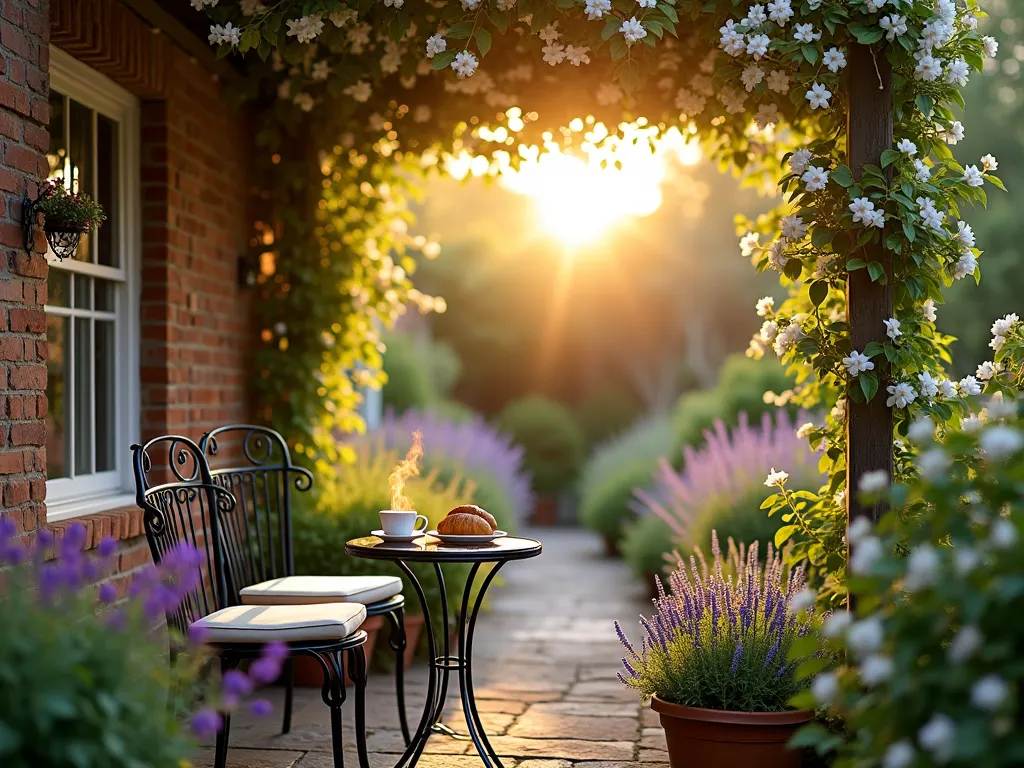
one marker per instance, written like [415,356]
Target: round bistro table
[428,549]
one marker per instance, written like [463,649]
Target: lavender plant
[721,638]
[84,680]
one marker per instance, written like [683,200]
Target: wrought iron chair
[255,465]
[181,503]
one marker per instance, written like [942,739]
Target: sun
[580,198]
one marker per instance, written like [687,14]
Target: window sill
[72,508]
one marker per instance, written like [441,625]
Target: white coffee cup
[401,523]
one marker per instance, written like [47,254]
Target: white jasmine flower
[805,429]
[965,265]
[989,164]
[228,33]
[360,91]
[958,72]
[595,9]
[304,102]
[923,565]
[972,424]
[929,387]
[873,6]
[554,53]
[748,243]
[922,430]
[800,160]
[1003,534]
[836,624]
[647,3]
[732,99]
[200,4]
[577,54]
[818,96]
[806,33]
[780,11]
[970,386]
[1004,325]
[861,207]
[732,42]
[465,64]
[875,669]
[922,171]
[1001,408]
[938,736]
[973,176]
[932,464]
[765,305]
[997,342]
[550,33]
[436,44]
[840,500]
[321,70]
[966,642]
[632,31]
[907,147]
[1001,441]
[988,370]
[928,68]
[859,529]
[857,363]
[899,755]
[470,5]
[826,685]
[864,556]
[690,103]
[965,560]
[769,331]
[833,58]
[901,395]
[873,482]
[892,328]
[894,26]
[777,257]
[947,388]
[755,16]
[305,29]
[935,34]
[751,76]
[793,227]
[955,133]
[989,693]
[965,234]
[802,600]
[816,178]
[343,17]
[930,215]
[787,339]
[990,45]
[865,636]
[778,81]
[757,46]
[928,308]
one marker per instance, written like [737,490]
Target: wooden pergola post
[869,132]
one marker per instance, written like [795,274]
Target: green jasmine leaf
[868,385]
[889,157]
[610,28]
[669,11]
[842,176]
[460,31]
[877,272]
[874,349]
[810,53]
[442,60]
[925,103]
[818,292]
[854,264]
[483,40]
[785,533]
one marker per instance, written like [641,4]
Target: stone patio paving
[545,662]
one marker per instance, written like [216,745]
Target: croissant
[464,524]
[473,509]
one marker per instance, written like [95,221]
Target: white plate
[400,538]
[451,538]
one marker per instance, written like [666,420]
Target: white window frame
[72,497]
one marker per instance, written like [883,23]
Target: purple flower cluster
[731,614]
[727,468]
[472,445]
[161,589]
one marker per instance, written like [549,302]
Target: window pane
[57,288]
[106,295]
[83,396]
[82,176]
[83,292]
[58,141]
[106,189]
[106,427]
[58,449]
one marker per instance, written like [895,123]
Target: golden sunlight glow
[616,178]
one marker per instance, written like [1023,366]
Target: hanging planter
[62,216]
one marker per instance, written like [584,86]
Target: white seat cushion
[285,623]
[306,590]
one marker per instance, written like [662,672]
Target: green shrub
[553,441]
[740,388]
[615,469]
[742,521]
[645,542]
[421,373]
[606,411]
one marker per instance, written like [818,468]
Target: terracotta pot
[711,738]
[413,632]
[309,674]
[611,545]
[545,510]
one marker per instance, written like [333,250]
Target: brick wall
[194,319]
[24,113]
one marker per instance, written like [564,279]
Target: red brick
[16,492]
[21,159]
[15,40]
[28,321]
[27,377]
[31,265]
[11,463]
[32,433]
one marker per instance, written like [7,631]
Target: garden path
[545,662]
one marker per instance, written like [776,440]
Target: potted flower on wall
[714,660]
[62,216]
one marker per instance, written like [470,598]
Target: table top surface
[430,549]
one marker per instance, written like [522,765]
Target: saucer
[451,538]
[398,537]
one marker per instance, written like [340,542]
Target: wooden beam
[869,132]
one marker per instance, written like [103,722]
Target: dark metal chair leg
[397,642]
[333,694]
[289,693]
[220,752]
[357,672]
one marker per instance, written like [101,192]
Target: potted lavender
[714,659]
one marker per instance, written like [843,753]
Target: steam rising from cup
[408,467]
